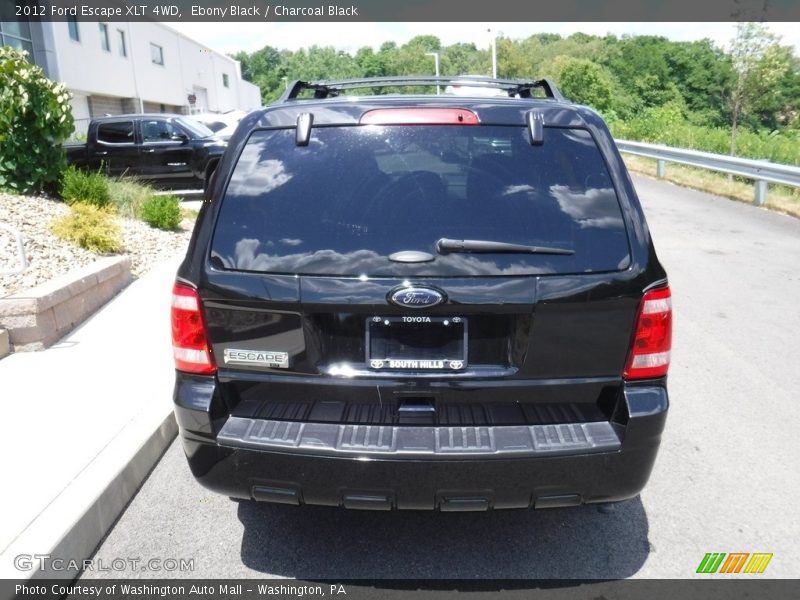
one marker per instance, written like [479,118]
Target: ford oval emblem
[416,297]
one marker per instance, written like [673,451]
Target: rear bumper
[446,468]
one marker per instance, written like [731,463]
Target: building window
[72,24]
[18,29]
[156,54]
[225,81]
[104,43]
[18,35]
[123,50]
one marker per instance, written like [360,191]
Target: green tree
[410,58]
[545,38]
[259,62]
[703,75]
[640,64]
[759,63]
[266,68]
[540,51]
[585,82]
[773,107]
[35,119]
[642,83]
[426,43]
[369,63]
[790,93]
[651,91]
[321,63]
[461,59]
[512,60]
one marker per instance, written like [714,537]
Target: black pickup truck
[168,151]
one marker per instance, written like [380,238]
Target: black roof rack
[513,87]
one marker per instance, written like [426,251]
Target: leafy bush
[128,196]
[163,212]
[585,82]
[35,119]
[84,186]
[89,227]
[665,126]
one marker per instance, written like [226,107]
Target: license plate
[413,343]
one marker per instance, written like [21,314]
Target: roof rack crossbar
[514,87]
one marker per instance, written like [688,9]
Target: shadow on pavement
[318,542]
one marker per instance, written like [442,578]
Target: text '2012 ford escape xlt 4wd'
[422,302]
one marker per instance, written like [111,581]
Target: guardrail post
[760,172]
[761,192]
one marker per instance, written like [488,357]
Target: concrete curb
[5,348]
[71,527]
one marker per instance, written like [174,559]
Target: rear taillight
[189,340]
[652,342]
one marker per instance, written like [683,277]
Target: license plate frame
[389,352]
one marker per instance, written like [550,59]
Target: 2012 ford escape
[422,301]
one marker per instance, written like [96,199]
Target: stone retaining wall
[39,317]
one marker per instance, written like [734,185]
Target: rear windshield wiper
[446,246]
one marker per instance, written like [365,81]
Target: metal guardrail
[761,171]
[20,249]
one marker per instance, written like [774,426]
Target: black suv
[422,301]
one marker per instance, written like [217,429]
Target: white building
[116,68]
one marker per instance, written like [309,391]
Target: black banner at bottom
[389,589]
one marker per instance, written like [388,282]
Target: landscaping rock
[49,256]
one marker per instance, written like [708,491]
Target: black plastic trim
[419,442]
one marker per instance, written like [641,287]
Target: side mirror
[180,137]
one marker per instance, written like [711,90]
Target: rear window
[355,195]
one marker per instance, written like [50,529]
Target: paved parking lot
[726,479]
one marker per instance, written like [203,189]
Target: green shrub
[163,212]
[128,196]
[665,125]
[89,227]
[35,119]
[84,186]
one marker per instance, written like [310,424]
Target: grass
[128,196]
[779,197]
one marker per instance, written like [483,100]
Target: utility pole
[435,56]
[494,54]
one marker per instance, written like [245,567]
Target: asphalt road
[726,480]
